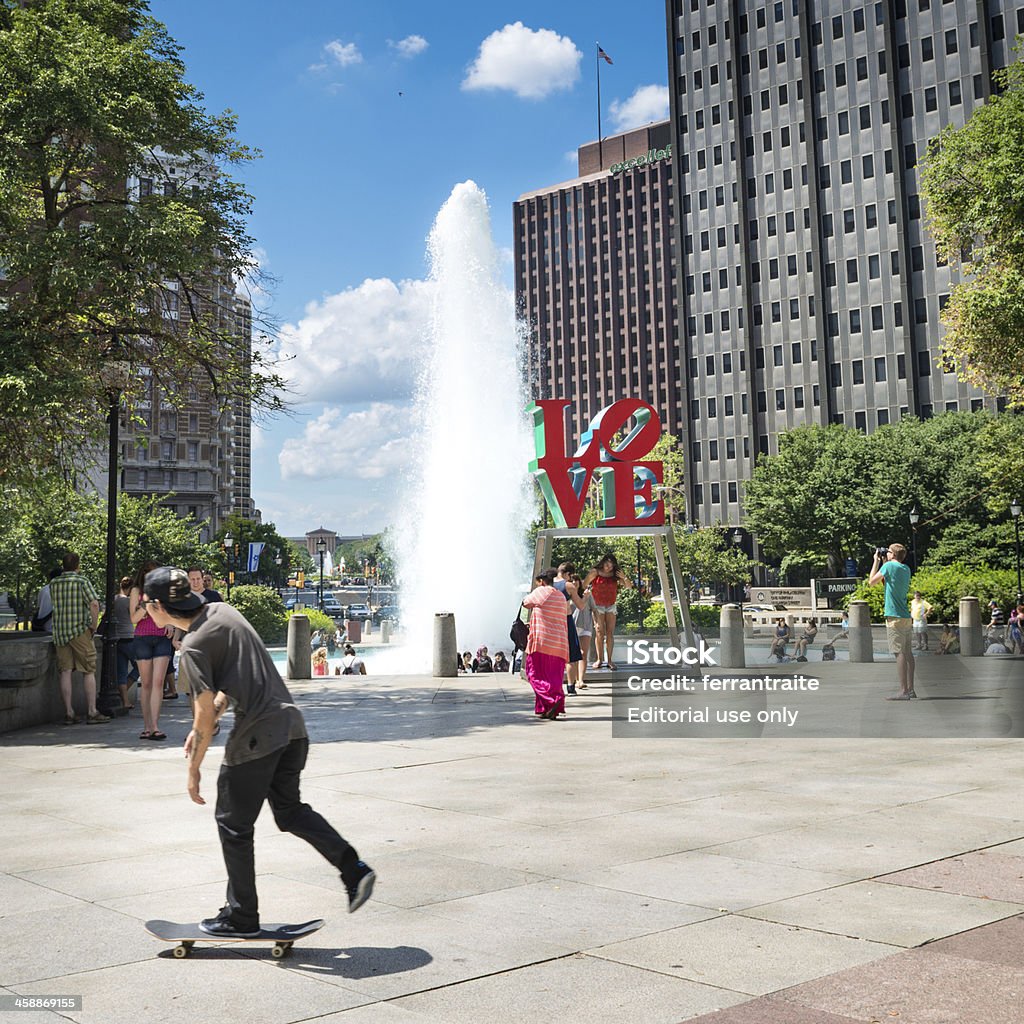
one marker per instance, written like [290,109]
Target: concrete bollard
[446,652]
[730,652]
[299,655]
[971,645]
[385,631]
[861,647]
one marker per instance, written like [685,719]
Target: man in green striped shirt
[76,610]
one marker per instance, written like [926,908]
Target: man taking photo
[898,623]
[222,659]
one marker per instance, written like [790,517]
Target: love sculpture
[627,479]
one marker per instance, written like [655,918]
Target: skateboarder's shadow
[353,962]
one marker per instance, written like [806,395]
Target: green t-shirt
[897,588]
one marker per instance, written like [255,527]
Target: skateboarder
[222,659]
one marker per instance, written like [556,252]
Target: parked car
[359,611]
[359,581]
[386,611]
[333,609]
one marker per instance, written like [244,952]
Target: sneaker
[913,695]
[98,719]
[224,926]
[571,689]
[899,696]
[360,888]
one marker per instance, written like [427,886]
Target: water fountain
[461,526]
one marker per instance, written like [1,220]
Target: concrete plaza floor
[530,871]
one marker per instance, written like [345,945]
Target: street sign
[788,597]
[835,587]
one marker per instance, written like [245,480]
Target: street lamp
[278,561]
[737,540]
[1015,512]
[914,517]
[321,548]
[229,548]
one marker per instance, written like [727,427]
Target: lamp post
[737,540]
[1015,512]
[229,549]
[115,373]
[278,562]
[914,517]
[321,549]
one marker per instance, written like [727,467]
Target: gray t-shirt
[223,652]
[124,628]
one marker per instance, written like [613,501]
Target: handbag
[519,634]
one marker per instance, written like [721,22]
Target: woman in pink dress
[547,649]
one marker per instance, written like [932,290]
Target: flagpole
[597,61]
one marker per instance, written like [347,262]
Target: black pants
[241,790]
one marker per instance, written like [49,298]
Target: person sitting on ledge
[805,638]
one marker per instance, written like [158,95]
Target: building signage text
[643,160]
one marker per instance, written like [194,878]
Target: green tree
[263,609]
[972,180]
[47,520]
[244,532]
[105,287]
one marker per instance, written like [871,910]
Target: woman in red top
[604,581]
[547,649]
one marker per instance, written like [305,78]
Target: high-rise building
[808,287]
[594,279]
[189,450]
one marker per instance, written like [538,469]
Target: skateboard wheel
[278,951]
[180,952]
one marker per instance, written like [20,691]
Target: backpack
[519,634]
[348,670]
[828,652]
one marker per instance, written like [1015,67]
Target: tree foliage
[263,609]
[106,288]
[834,492]
[972,179]
[42,523]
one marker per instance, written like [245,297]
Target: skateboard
[283,936]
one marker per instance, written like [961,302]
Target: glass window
[879,368]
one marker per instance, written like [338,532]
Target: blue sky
[353,174]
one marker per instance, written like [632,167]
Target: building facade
[808,288]
[187,449]
[594,280]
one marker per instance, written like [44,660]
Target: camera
[882,553]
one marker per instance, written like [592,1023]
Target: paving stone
[990,874]
[577,988]
[999,943]
[915,987]
[771,1010]
[884,913]
[712,880]
[573,915]
[736,953]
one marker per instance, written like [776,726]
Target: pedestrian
[124,631]
[467,661]
[564,582]
[501,662]
[547,649]
[844,628]
[153,650]
[352,664]
[76,612]
[949,642]
[1015,632]
[888,567]
[319,661]
[197,580]
[805,638]
[583,619]
[782,635]
[605,580]
[42,622]
[482,662]
[919,612]
[223,659]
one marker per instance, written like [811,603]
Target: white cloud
[361,345]
[368,444]
[648,103]
[410,46]
[531,63]
[343,53]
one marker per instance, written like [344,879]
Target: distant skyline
[366,119]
